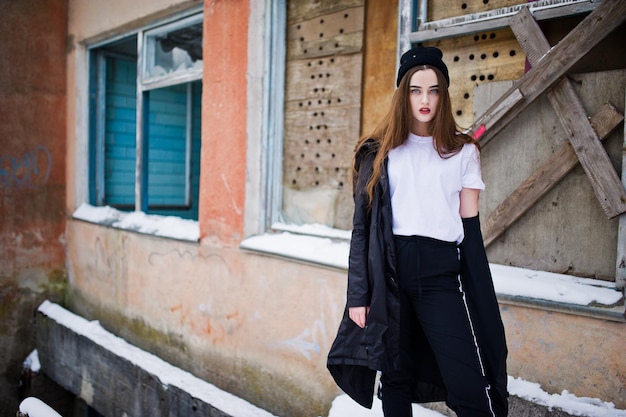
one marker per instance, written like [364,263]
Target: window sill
[140,222]
[514,286]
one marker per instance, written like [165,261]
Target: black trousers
[433,308]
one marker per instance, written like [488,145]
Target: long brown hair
[395,127]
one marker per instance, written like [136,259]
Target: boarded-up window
[322,110]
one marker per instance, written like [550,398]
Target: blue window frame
[145,131]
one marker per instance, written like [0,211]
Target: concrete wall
[32,175]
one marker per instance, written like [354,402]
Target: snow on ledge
[138,221]
[167,373]
[577,406]
[508,280]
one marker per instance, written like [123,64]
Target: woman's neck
[420,129]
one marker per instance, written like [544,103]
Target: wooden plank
[601,22]
[330,34]
[473,20]
[481,58]
[545,178]
[303,10]
[595,161]
[379,57]
[620,267]
[571,113]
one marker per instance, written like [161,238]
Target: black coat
[356,353]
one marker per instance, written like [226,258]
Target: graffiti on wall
[29,171]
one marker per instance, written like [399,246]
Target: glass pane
[167,146]
[174,52]
[119,144]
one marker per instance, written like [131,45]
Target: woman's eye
[434,91]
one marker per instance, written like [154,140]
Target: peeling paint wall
[32,175]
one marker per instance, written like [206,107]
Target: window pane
[173,141]
[167,140]
[174,52]
[119,143]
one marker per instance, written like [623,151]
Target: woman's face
[424,97]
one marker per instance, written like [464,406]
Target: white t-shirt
[425,188]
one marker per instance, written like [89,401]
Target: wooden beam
[498,18]
[545,178]
[573,117]
[620,262]
[602,21]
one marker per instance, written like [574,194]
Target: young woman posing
[420,303]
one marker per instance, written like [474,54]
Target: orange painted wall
[32,175]
[32,136]
[222,185]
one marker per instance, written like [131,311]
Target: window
[314,126]
[145,115]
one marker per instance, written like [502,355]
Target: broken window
[145,127]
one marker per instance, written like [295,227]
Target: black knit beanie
[422,55]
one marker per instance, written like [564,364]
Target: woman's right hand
[358,315]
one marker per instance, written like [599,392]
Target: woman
[420,304]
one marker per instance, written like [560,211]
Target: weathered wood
[379,56]
[477,59]
[545,178]
[323,81]
[606,184]
[620,263]
[303,10]
[569,108]
[557,62]
[336,33]
[474,20]
[449,9]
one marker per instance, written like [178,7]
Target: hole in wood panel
[496,54]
